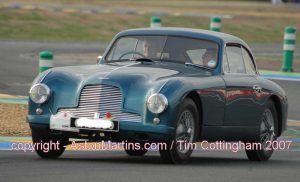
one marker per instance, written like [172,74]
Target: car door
[261,94]
[241,107]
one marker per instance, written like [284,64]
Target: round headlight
[157,103]
[39,93]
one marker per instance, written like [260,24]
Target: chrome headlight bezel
[157,103]
[35,93]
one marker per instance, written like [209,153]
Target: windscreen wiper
[118,60]
[132,59]
[198,66]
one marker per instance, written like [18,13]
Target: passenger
[209,58]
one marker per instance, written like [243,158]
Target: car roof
[189,32]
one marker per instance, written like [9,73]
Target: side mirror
[99,59]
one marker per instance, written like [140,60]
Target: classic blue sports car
[168,85]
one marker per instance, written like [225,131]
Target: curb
[13,99]
[278,75]
[22,101]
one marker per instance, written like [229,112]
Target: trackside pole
[215,23]
[155,22]
[288,48]
[45,61]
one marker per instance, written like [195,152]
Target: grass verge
[253,21]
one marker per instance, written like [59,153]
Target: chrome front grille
[102,99]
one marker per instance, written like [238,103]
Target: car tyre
[39,139]
[268,133]
[187,129]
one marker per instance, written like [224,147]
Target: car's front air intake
[102,99]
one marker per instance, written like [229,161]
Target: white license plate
[65,121]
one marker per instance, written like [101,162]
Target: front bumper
[127,130]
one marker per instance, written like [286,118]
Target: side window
[235,59]
[225,62]
[250,68]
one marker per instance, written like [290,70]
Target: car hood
[135,80]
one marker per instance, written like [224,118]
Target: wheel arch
[197,100]
[276,101]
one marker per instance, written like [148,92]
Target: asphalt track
[116,166]
[19,61]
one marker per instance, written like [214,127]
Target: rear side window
[249,65]
[225,63]
[235,59]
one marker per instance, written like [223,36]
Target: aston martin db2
[160,85]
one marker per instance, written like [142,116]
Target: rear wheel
[268,130]
[48,147]
[181,147]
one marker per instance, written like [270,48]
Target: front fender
[174,90]
[211,92]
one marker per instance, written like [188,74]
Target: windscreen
[165,48]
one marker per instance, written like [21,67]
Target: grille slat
[101,103]
[97,93]
[103,90]
[101,99]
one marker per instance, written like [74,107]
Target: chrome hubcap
[267,131]
[185,132]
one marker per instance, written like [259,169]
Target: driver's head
[149,48]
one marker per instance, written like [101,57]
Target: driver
[146,48]
[209,58]
[149,49]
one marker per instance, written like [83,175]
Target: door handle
[257,88]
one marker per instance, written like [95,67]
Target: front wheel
[268,130]
[48,147]
[181,147]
